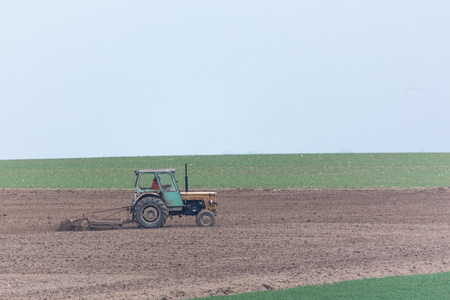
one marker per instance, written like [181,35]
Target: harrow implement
[93,223]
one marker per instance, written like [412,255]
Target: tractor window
[167,183]
[146,180]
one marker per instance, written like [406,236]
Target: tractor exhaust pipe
[185,178]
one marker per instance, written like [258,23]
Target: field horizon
[276,171]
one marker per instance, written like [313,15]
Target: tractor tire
[151,213]
[205,218]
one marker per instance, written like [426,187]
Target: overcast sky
[143,78]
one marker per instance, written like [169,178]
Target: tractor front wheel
[151,213]
[205,218]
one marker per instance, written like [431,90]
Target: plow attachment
[85,223]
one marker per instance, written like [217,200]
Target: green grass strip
[414,287]
[274,171]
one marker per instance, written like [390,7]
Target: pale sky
[145,78]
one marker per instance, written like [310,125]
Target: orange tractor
[157,196]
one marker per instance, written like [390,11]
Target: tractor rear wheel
[205,218]
[151,213]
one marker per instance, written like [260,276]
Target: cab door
[169,190]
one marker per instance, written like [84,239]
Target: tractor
[157,197]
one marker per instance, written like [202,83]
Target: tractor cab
[161,182]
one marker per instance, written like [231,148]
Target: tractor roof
[157,170]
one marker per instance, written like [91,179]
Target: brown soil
[263,239]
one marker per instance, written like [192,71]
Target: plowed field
[263,239]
